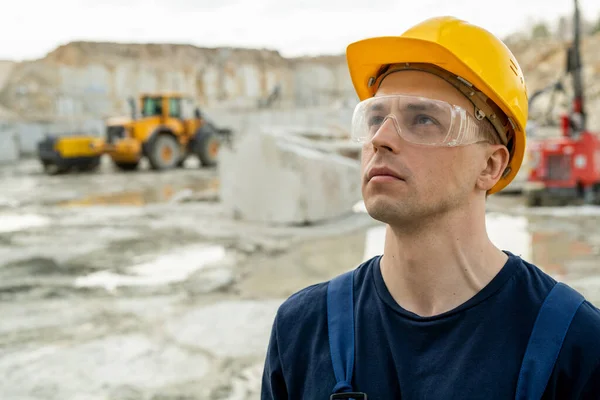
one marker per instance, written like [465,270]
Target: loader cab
[166,106]
[180,107]
[152,106]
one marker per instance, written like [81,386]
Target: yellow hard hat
[471,58]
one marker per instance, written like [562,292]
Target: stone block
[270,178]
[9,145]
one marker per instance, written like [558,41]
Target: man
[443,313]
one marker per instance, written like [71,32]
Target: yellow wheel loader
[167,131]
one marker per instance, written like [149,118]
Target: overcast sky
[31,28]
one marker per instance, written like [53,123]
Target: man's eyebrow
[418,106]
[376,107]
[422,107]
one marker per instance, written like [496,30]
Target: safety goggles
[417,120]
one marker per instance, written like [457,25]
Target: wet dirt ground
[117,286]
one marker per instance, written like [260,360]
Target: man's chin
[383,211]
[395,213]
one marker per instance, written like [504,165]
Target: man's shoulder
[310,302]
[303,303]
[581,340]
[578,363]
[587,315]
[585,327]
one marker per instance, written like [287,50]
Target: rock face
[83,80]
[76,86]
[94,80]
[281,179]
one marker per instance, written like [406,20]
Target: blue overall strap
[340,322]
[546,340]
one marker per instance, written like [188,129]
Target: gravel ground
[116,286]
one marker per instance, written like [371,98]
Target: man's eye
[375,120]
[424,119]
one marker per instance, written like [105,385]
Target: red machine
[566,169]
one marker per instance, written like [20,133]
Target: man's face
[434,180]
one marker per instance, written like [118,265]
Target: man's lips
[383,173]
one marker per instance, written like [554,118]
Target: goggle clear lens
[416,119]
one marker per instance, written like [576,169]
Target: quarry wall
[76,86]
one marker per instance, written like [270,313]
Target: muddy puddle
[151,195]
[26,185]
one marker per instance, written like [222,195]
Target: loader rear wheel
[207,148]
[164,152]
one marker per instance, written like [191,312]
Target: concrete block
[9,145]
[268,178]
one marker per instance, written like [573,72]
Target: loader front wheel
[164,152]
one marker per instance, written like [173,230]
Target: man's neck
[436,268]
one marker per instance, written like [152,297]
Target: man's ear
[497,157]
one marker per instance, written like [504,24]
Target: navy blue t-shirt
[471,352]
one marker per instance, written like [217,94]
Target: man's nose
[387,136]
